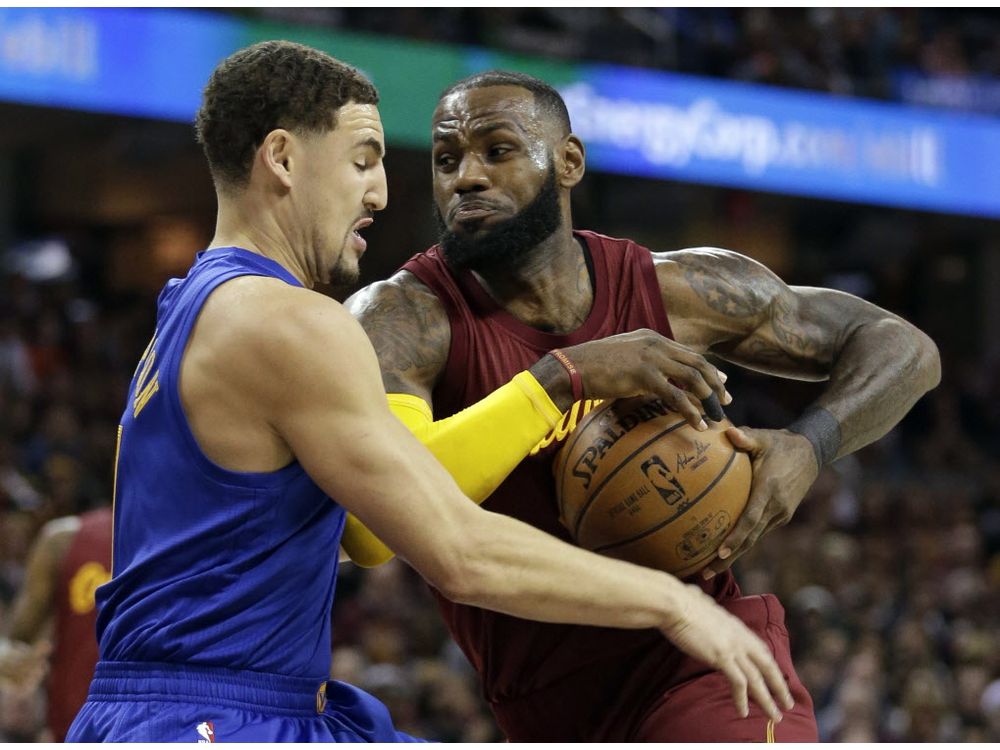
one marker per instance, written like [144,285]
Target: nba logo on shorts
[206,732]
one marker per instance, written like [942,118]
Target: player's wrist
[555,379]
[676,602]
[822,430]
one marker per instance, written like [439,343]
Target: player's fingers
[688,375]
[738,686]
[753,518]
[743,536]
[712,376]
[748,542]
[758,690]
[680,401]
[743,439]
[748,523]
[772,675]
[712,408]
[695,402]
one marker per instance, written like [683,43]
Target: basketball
[635,481]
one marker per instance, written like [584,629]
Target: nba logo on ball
[638,503]
[659,476]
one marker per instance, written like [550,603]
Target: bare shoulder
[713,295]
[269,315]
[724,280]
[409,328]
[401,292]
[259,334]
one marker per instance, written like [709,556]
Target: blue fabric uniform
[217,616]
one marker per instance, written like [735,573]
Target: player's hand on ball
[709,633]
[644,362]
[784,468]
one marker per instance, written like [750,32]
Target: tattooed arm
[409,329]
[875,363]
[411,334]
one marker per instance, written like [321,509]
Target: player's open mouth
[360,243]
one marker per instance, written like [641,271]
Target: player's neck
[550,288]
[241,225]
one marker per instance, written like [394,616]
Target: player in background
[512,281]
[68,561]
[256,418]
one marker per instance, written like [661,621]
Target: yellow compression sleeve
[479,446]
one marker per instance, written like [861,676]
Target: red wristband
[575,381]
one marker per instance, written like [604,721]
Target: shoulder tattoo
[407,326]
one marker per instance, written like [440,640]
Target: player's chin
[345,274]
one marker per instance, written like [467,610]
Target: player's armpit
[479,446]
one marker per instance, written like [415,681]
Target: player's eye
[444,161]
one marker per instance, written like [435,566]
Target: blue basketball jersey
[212,567]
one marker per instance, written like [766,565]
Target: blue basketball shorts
[154,702]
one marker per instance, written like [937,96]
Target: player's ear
[572,162]
[275,156]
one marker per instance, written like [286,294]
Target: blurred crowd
[890,571]
[854,51]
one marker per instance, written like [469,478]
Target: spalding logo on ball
[635,481]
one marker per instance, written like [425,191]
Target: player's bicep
[732,306]
[409,331]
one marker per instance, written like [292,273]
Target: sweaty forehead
[360,121]
[470,109]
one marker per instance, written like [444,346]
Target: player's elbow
[915,355]
[925,360]
[929,362]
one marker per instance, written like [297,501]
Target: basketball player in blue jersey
[256,418]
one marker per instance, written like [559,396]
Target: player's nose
[472,176]
[377,196]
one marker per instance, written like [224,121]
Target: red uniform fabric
[86,566]
[549,682]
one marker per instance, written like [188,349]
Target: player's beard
[507,242]
[343,279]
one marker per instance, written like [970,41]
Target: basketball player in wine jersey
[512,281]
[69,560]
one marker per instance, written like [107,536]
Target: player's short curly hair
[269,85]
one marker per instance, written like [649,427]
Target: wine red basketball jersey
[86,566]
[518,657]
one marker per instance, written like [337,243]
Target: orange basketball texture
[636,482]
